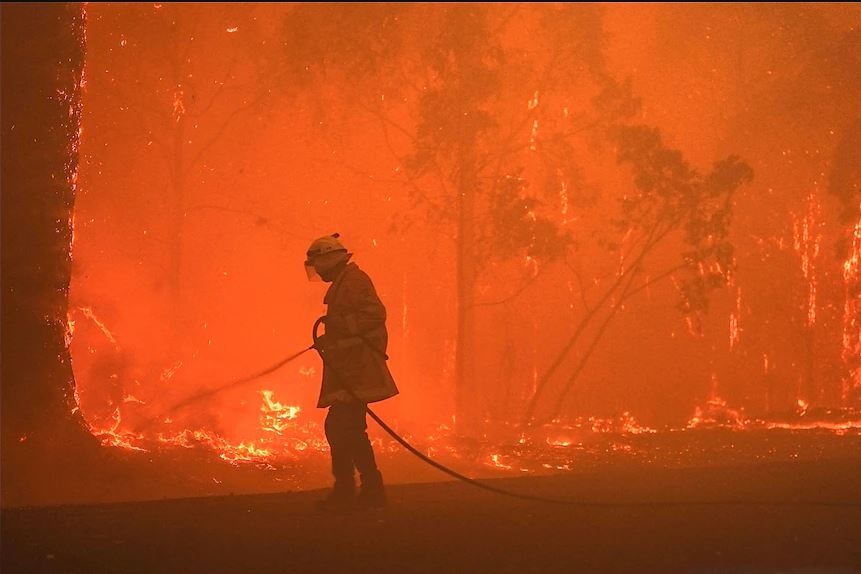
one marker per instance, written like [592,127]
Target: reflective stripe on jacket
[355,341]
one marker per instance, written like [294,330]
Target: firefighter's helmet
[324,254]
[323,245]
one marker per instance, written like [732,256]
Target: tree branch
[584,360]
[514,295]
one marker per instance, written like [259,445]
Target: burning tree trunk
[852,320]
[845,183]
[43,49]
[807,238]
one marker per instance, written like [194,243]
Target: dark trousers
[346,431]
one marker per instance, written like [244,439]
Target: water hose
[496,490]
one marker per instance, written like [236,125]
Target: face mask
[312,274]
[328,264]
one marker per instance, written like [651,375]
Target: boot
[340,498]
[373,493]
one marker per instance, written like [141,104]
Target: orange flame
[852,317]
[276,417]
[734,317]
[807,238]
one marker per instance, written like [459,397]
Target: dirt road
[768,526]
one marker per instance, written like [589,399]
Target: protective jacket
[354,346]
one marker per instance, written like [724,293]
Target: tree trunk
[42,61]
[851,391]
[811,393]
[468,402]
[177,224]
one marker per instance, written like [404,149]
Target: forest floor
[801,515]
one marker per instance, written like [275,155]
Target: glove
[322,343]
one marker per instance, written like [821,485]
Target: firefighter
[355,373]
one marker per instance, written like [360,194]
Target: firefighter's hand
[322,342]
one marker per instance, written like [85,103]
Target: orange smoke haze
[217,142]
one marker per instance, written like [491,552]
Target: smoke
[207,168]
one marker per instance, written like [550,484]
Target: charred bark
[42,63]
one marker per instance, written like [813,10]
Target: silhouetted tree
[42,62]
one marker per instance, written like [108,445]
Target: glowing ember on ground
[716,413]
[494,461]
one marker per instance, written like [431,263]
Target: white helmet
[322,247]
